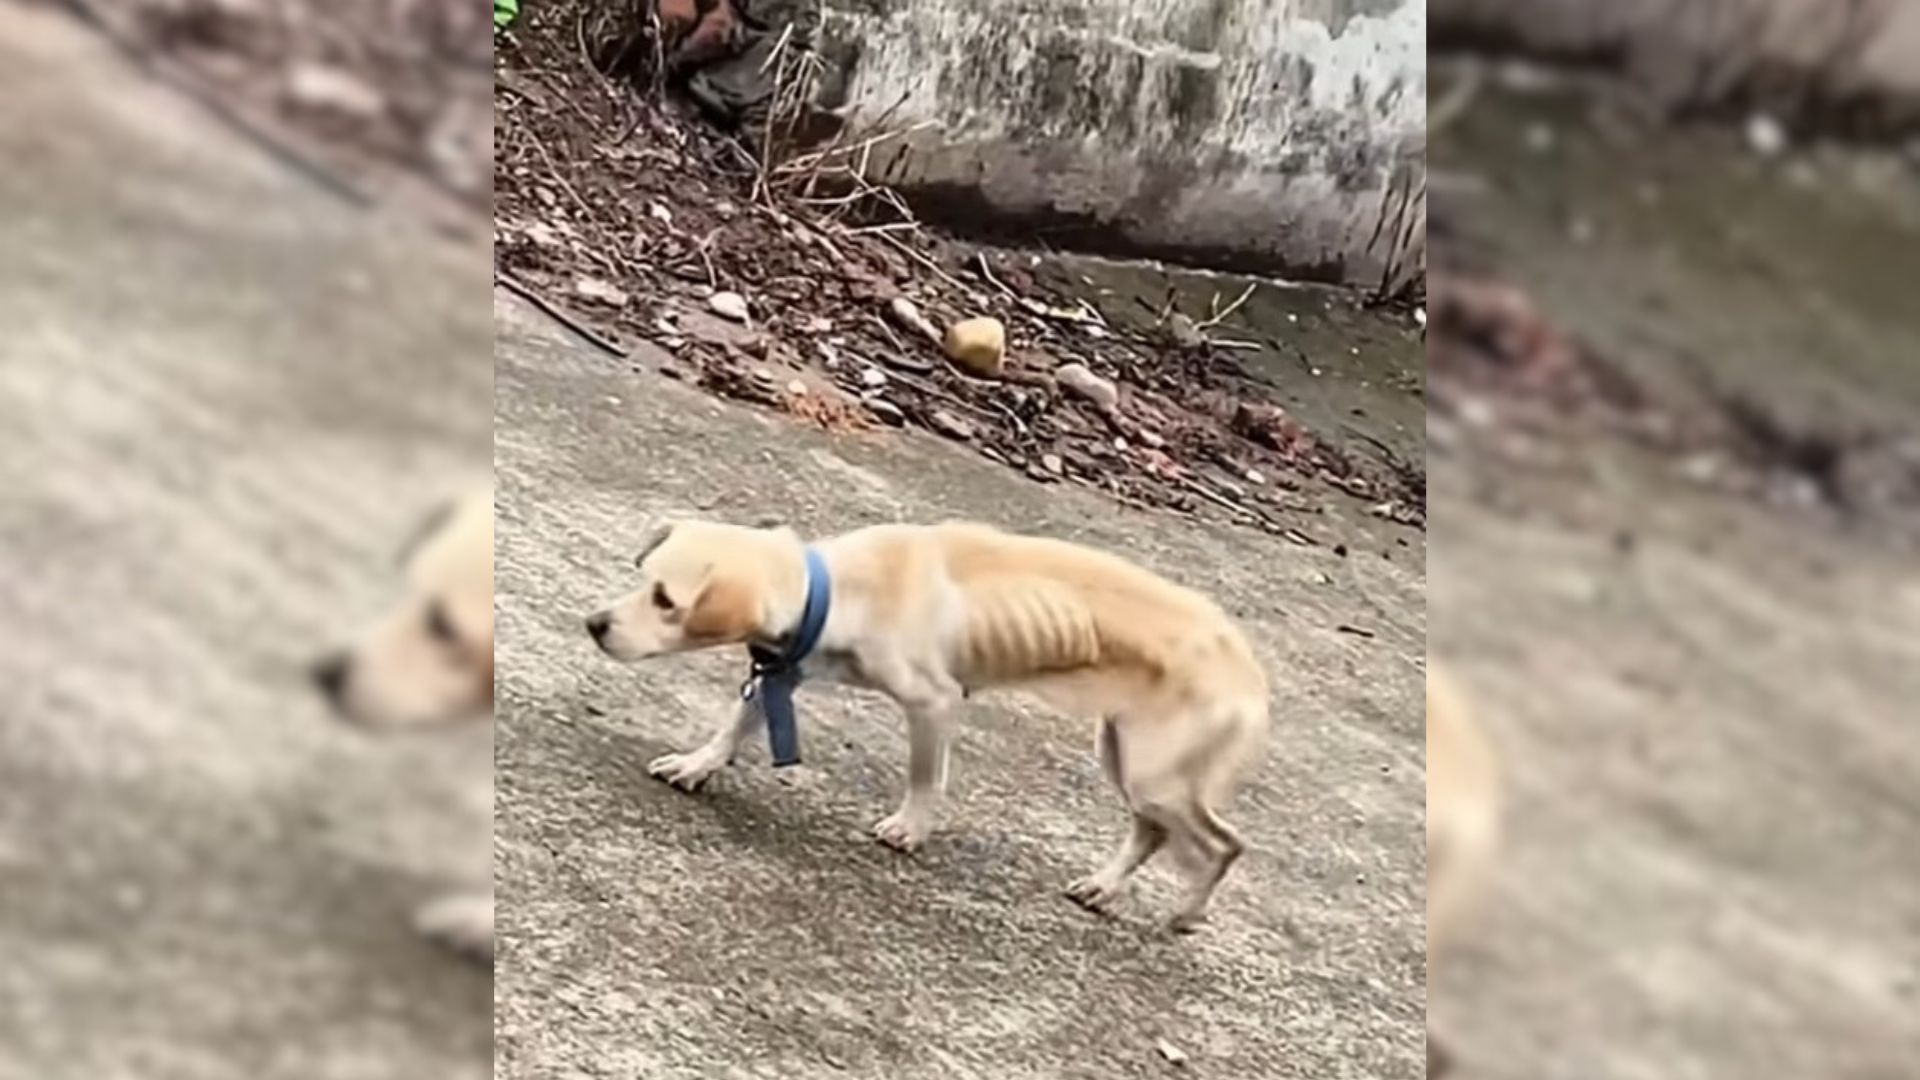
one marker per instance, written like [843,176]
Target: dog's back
[1039,608]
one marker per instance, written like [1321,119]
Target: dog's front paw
[901,831]
[684,771]
[461,923]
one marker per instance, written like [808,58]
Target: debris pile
[1489,343]
[791,281]
[1488,334]
[386,97]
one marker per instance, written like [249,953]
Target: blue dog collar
[776,672]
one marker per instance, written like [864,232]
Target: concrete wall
[1272,134]
[1655,33]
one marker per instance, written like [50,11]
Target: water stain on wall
[1273,126]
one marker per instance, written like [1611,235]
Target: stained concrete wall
[1653,34]
[1272,134]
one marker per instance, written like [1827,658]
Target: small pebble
[977,346]
[906,314]
[1766,135]
[728,305]
[1079,379]
[605,292]
[328,89]
[951,426]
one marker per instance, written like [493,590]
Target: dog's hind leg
[1218,847]
[1205,846]
[1168,784]
[1100,888]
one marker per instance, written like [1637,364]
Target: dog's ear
[655,536]
[726,612]
[435,520]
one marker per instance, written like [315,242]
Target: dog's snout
[330,675]
[598,623]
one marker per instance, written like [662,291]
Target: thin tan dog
[1463,803]
[428,661]
[929,614]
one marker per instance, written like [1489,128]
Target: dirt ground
[756,930]
[206,465]
[1706,698]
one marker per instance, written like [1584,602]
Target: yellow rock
[977,346]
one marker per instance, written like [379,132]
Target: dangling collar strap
[776,671]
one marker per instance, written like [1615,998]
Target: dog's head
[429,659]
[702,585]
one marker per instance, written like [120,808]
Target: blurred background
[1675,378]
[245,350]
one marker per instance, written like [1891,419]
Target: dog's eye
[440,626]
[660,598]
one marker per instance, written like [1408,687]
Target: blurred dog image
[429,661]
[1463,802]
[929,614]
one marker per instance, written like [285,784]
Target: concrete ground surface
[224,399]
[756,930]
[1710,867]
[1706,702]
